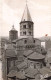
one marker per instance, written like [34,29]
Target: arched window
[31,65]
[24,33]
[25,41]
[24,26]
[41,65]
[41,49]
[29,33]
[35,66]
[29,26]
[34,41]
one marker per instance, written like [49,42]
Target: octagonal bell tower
[13,34]
[26,24]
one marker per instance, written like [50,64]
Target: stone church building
[23,57]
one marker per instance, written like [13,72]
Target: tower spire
[26,2]
[26,15]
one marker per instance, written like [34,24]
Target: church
[24,57]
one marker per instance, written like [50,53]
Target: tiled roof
[30,72]
[10,50]
[49,60]
[12,73]
[22,65]
[9,46]
[27,52]
[10,53]
[29,75]
[46,72]
[14,68]
[36,56]
[20,75]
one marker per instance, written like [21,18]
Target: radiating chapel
[23,57]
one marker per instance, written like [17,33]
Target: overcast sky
[12,10]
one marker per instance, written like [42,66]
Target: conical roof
[26,15]
[36,56]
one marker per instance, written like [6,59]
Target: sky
[11,12]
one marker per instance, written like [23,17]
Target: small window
[35,66]
[50,63]
[31,65]
[37,63]
[41,65]
[30,26]
[30,46]
[34,41]
[29,33]
[24,26]
[24,33]
[41,49]
[25,41]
